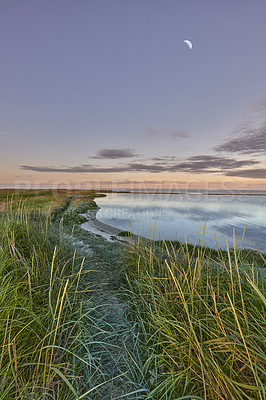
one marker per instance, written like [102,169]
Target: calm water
[177,216]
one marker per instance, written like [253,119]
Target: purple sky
[106,91]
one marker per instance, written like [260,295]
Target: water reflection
[178,215]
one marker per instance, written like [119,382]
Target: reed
[41,303]
[201,315]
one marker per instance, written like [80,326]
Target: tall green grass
[201,320]
[41,310]
[195,328]
[63,331]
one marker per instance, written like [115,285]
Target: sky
[106,94]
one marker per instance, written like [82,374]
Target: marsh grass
[81,318]
[41,309]
[44,200]
[63,331]
[202,321]
[47,200]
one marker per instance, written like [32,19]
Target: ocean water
[180,216]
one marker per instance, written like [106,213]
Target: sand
[110,233]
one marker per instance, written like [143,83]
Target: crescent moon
[188,42]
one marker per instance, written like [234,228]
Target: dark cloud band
[115,153]
[254,142]
[256,173]
[195,165]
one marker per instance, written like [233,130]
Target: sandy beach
[110,233]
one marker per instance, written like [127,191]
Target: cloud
[177,134]
[195,165]
[210,164]
[256,173]
[253,142]
[249,137]
[3,133]
[163,160]
[115,153]
[79,169]
[137,167]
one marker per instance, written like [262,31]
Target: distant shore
[227,193]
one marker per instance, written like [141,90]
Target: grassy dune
[81,318]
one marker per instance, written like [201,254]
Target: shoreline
[109,232]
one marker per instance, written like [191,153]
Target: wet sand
[97,227]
